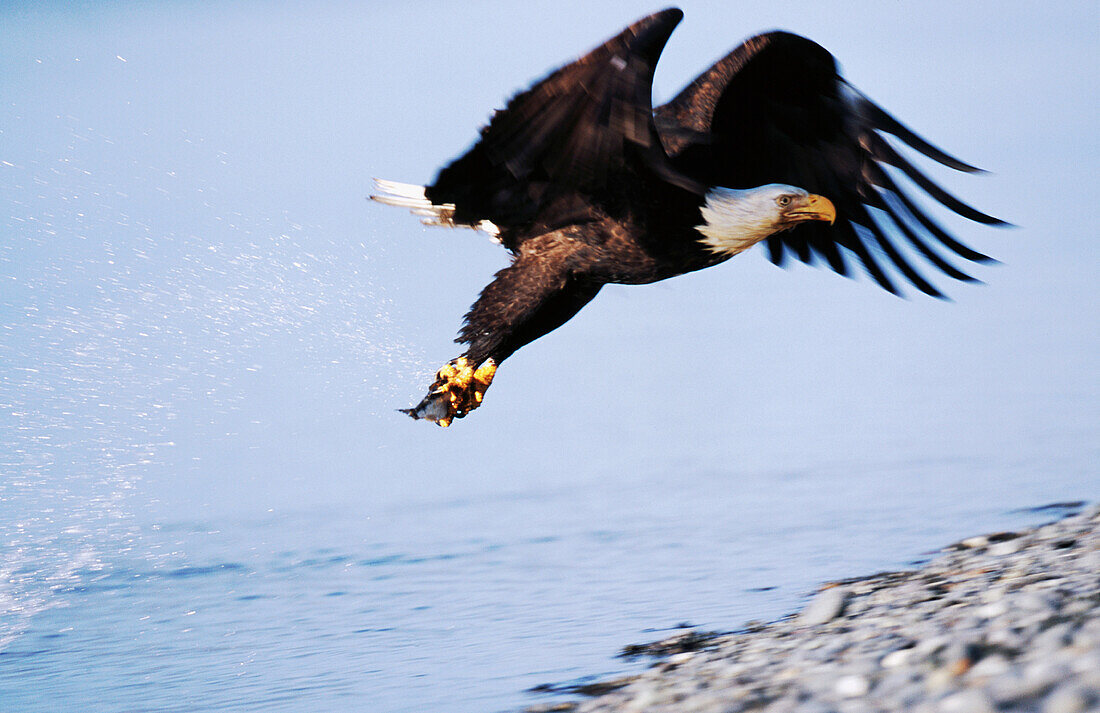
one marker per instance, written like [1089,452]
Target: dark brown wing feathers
[775,110]
[560,148]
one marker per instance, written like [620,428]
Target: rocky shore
[1001,622]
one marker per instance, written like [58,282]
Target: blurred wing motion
[775,111]
[565,148]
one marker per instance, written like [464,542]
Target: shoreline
[1007,621]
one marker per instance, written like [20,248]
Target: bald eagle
[585,183]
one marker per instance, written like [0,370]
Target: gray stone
[988,667]
[1001,549]
[993,609]
[972,701]
[897,658]
[1087,663]
[1067,698]
[1053,638]
[826,606]
[931,645]
[1034,601]
[852,686]
[1009,688]
[855,705]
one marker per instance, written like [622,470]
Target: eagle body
[585,183]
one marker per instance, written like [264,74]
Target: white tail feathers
[403,195]
[407,195]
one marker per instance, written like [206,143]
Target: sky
[194,280]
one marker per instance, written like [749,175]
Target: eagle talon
[458,389]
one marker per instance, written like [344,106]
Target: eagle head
[735,220]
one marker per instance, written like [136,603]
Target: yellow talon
[458,389]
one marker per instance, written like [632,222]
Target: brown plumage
[585,183]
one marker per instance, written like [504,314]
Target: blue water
[208,501]
[457,604]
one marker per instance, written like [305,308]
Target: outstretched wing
[775,111]
[568,143]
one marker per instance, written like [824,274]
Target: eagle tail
[408,195]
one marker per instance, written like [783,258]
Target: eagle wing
[568,145]
[534,295]
[775,110]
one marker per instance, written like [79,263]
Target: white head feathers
[735,220]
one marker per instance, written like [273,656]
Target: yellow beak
[815,208]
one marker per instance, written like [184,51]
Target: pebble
[826,606]
[1007,622]
[993,610]
[1066,699]
[940,680]
[1055,637]
[972,701]
[1004,548]
[896,658]
[995,665]
[852,686]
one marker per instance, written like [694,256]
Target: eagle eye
[783,201]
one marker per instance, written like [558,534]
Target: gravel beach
[1002,622]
